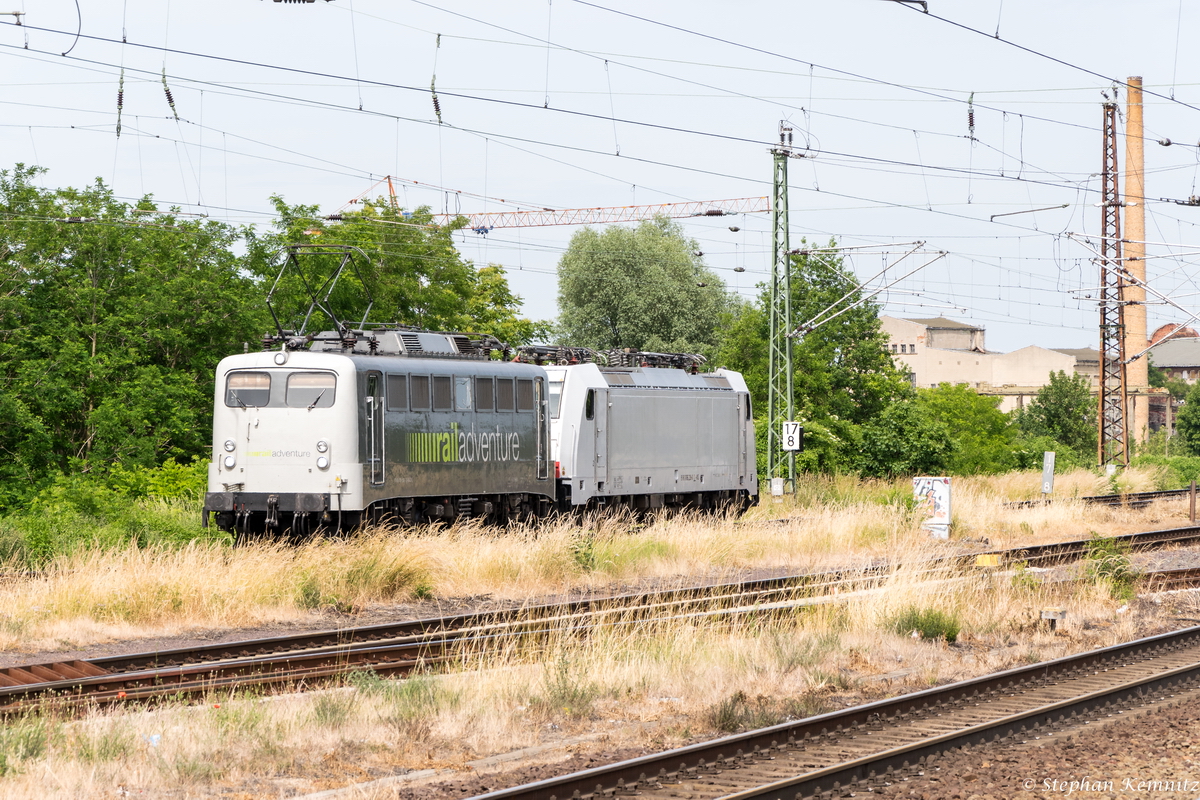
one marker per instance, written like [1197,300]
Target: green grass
[930,623]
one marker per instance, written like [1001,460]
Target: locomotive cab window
[504,394]
[589,405]
[442,398]
[419,388]
[248,389]
[524,394]
[462,393]
[555,391]
[484,394]
[397,392]
[311,389]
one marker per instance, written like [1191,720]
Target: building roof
[1176,353]
[942,322]
[1080,353]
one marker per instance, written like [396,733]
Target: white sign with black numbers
[791,436]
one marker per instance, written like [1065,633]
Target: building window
[894,349]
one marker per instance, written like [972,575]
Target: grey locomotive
[333,430]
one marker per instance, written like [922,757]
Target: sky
[564,104]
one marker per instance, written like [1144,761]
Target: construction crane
[485,222]
[482,223]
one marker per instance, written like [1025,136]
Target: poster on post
[932,495]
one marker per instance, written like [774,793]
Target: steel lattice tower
[1113,446]
[781,402]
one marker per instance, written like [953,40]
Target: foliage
[409,266]
[137,506]
[906,439]
[843,376]
[1179,471]
[1107,560]
[739,712]
[644,288]
[1187,423]
[981,435]
[564,690]
[930,623]
[1178,387]
[1029,452]
[110,329]
[1064,410]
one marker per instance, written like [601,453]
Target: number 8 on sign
[793,436]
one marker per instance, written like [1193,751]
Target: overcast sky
[571,104]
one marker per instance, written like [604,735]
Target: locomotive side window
[310,389]
[397,392]
[419,386]
[247,389]
[462,393]
[441,393]
[504,394]
[524,394]
[589,405]
[484,394]
[556,389]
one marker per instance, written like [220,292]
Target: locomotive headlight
[322,446]
[229,446]
[281,357]
[229,462]
[322,462]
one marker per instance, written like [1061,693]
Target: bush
[139,507]
[1108,561]
[930,623]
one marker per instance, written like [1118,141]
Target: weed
[563,690]
[423,591]
[930,623]
[21,739]
[792,651]
[1107,561]
[333,709]
[112,743]
[410,704]
[1023,578]
[583,551]
[739,712]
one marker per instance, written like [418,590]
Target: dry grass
[101,595]
[636,683]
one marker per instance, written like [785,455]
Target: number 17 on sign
[793,436]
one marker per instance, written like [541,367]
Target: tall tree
[112,318]
[982,435]
[644,288]
[410,266]
[1064,410]
[843,376]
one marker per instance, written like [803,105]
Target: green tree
[112,319]
[1187,423]
[1178,387]
[843,376]
[906,439]
[410,266]
[1065,411]
[644,288]
[981,434]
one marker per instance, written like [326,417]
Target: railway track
[1128,499]
[398,648]
[858,749]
